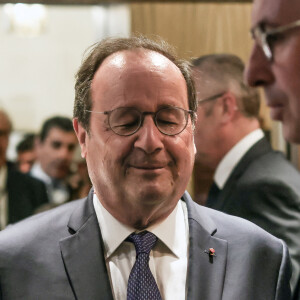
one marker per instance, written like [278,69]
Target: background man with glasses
[274,63]
[138,235]
[250,179]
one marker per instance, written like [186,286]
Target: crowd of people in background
[48,169]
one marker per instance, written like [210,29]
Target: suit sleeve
[283,291]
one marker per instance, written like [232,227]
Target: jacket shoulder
[47,226]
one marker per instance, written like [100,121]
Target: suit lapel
[258,149]
[82,253]
[206,275]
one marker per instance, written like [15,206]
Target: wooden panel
[196,28]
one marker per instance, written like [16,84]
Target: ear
[81,136]
[195,149]
[229,107]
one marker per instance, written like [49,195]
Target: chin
[151,195]
[291,134]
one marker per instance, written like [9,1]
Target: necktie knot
[143,241]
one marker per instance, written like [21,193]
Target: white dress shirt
[57,194]
[234,155]
[168,259]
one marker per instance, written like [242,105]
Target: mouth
[147,167]
[276,111]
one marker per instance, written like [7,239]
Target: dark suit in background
[264,188]
[256,182]
[72,264]
[25,194]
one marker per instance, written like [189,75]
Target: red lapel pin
[211,252]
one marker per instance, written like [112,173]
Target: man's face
[25,160]
[280,77]
[55,153]
[207,136]
[145,173]
[4,135]
[207,126]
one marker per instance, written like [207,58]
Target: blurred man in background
[274,63]
[26,154]
[251,180]
[55,148]
[20,194]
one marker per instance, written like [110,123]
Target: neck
[234,132]
[139,216]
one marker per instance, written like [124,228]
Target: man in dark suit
[251,180]
[138,235]
[55,149]
[20,194]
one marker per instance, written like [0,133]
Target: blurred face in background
[279,76]
[25,160]
[207,130]
[5,128]
[55,153]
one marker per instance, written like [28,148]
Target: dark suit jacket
[25,194]
[59,255]
[265,189]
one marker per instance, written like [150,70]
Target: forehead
[275,12]
[132,73]
[57,134]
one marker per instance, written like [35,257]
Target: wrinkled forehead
[275,12]
[133,73]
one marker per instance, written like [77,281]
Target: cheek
[106,155]
[183,149]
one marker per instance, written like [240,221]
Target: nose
[149,138]
[258,71]
[64,153]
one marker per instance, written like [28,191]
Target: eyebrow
[263,23]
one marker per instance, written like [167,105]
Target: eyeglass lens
[126,121]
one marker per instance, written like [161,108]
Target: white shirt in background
[232,157]
[57,194]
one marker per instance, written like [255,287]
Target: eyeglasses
[126,121]
[211,98]
[266,38]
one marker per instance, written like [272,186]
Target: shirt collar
[234,155]
[170,231]
[37,172]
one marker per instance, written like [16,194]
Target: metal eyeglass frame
[261,35]
[214,97]
[143,114]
